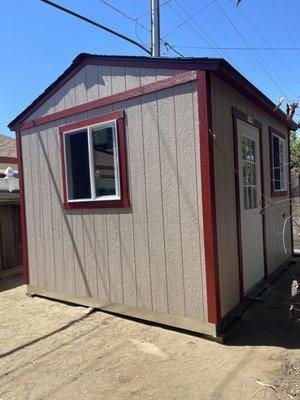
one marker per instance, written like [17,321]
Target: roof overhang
[218,66]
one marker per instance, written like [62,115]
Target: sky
[39,42]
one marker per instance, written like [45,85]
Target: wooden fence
[10,235]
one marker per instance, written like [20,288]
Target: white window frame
[282,164]
[89,129]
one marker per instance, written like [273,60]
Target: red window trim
[275,193]
[119,117]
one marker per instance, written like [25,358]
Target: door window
[249,182]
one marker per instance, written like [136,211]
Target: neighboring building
[10,233]
[9,181]
[8,153]
[132,199]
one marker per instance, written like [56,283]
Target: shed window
[278,163]
[95,163]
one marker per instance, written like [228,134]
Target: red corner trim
[175,80]
[275,193]
[8,160]
[290,187]
[22,210]
[119,117]
[208,198]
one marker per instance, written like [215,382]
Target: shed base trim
[188,324]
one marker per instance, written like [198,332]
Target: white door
[250,204]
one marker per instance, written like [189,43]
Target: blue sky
[39,42]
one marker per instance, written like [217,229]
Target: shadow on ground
[266,322]
[10,282]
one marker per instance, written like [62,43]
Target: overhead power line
[285,65]
[284,25]
[252,51]
[239,48]
[98,25]
[167,45]
[207,39]
[135,20]
[186,20]
[149,12]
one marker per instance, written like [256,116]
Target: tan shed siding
[150,255]
[223,99]
[92,82]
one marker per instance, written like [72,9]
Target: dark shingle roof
[7,146]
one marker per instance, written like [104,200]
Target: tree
[295,152]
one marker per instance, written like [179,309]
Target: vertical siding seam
[51,209]
[85,280]
[119,225]
[107,253]
[179,207]
[161,199]
[62,216]
[33,206]
[146,198]
[68,218]
[129,171]
[98,81]
[41,205]
[198,199]
[121,260]
[83,268]
[96,255]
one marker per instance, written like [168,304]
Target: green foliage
[295,151]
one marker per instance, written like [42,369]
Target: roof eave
[220,67]
[236,80]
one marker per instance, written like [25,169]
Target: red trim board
[22,210]
[239,115]
[117,116]
[208,198]
[175,80]
[290,188]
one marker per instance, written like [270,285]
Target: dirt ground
[51,350]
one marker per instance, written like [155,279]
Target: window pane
[250,206]
[254,174]
[252,150]
[105,153]
[254,198]
[245,198]
[276,161]
[77,163]
[277,184]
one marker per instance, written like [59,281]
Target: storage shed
[149,188]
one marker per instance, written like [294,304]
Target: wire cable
[266,42]
[240,48]
[252,52]
[188,19]
[98,25]
[284,24]
[219,51]
[149,12]
[135,20]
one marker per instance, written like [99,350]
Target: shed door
[250,204]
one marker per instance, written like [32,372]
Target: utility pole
[155,29]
